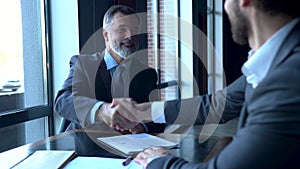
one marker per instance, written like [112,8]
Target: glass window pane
[166,59]
[22,55]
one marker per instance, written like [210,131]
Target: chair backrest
[64,123]
[167,84]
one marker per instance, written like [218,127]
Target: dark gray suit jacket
[89,81]
[268,134]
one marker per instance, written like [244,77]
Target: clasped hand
[125,114]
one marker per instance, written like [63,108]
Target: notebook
[133,143]
[46,159]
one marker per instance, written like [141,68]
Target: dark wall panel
[91,14]
[234,55]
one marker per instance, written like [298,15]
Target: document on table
[100,163]
[134,143]
[46,159]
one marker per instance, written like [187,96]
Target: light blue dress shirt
[259,62]
[111,65]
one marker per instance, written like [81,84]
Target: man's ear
[244,3]
[105,35]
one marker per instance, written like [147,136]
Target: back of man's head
[274,7]
[109,15]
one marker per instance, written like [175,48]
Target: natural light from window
[11,44]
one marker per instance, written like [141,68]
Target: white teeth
[126,42]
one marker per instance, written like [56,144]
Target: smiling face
[121,35]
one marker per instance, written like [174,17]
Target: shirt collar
[259,62]
[110,61]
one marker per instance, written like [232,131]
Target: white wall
[65,41]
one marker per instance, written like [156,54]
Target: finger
[142,162]
[157,151]
[144,155]
[159,148]
[139,128]
[122,101]
[121,122]
[127,112]
[113,104]
[149,151]
[125,123]
[117,101]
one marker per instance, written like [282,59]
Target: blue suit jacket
[89,81]
[268,134]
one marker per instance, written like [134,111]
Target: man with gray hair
[94,80]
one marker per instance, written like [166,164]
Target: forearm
[64,106]
[215,108]
[172,162]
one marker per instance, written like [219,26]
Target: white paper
[132,143]
[100,163]
[46,159]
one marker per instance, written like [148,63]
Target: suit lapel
[243,116]
[291,41]
[244,113]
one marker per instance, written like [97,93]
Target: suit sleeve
[219,107]
[271,136]
[63,103]
[75,100]
[148,92]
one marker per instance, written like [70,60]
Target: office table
[85,144]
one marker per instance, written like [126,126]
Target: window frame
[16,116]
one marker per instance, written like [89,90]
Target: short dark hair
[273,7]
[109,15]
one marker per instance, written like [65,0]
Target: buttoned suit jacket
[89,81]
[268,133]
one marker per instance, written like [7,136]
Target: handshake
[125,114]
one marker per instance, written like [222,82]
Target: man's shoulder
[91,57]
[280,85]
[87,58]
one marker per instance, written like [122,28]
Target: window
[11,55]
[163,43]
[179,33]
[24,66]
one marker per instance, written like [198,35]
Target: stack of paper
[134,143]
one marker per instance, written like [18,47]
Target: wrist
[100,112]
[151,159]
[146,112]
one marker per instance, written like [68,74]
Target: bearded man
[266,97]
[94,80]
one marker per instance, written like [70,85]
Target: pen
[128,160]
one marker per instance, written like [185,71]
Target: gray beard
[124,52]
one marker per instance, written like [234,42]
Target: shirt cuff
[94,111]
[157,112]
[145,127]
[152,158]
